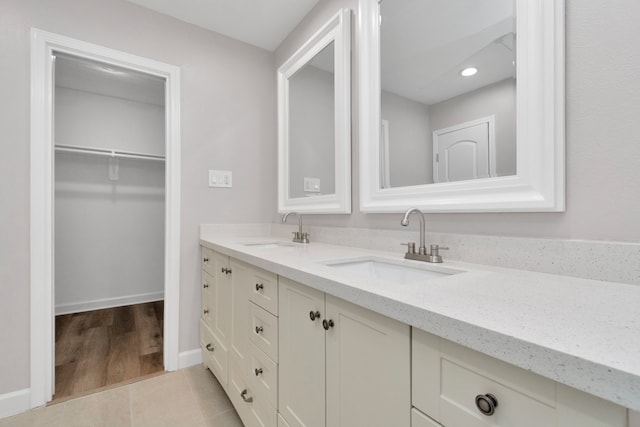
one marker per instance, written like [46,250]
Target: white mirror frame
[337,30]
[539,185]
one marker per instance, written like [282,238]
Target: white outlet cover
[312,185]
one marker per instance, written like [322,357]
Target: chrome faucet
[298,236]
[421,255]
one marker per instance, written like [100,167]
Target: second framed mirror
[314,123]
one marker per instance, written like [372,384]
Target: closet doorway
[72,165]
[109,197]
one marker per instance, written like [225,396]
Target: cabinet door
[222,297]
[241,279]
[368,374]
[302,363]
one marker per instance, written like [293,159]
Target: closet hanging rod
[107,152]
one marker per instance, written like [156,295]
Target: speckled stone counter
[579,332]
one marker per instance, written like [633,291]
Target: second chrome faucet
[298,236]
[434,250]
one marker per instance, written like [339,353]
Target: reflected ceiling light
[467,72]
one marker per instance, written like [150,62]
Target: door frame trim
[43,44]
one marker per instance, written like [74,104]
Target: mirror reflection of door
[465,151]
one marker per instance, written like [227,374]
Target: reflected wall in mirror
[312,127]
[434,138]
[448,99]
[314,123]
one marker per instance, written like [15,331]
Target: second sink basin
[398,273]
[269,245]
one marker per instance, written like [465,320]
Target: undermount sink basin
[269,245]
[396,273]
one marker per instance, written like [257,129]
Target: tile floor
[188,397]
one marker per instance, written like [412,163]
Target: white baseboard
[79,307]
[15,402]
[189,358]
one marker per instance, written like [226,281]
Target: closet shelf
[108,153]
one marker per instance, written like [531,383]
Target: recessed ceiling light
[467,72]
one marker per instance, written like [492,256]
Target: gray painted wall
[228,122]
[602,92]
[410,148]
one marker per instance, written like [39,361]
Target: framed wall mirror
[314,123]
[461,105]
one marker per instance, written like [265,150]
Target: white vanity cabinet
[226,327]
[340,364]
[456,386]
[215,321]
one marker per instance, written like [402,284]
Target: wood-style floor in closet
[101,348]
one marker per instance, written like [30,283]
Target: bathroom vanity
[323,335]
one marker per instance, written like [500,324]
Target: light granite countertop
[579,332]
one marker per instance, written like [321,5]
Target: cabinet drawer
[214,354]
[263,376]
[252,410]
[418,419]
[264,330]
[207,260]
[460,386]
[264,290]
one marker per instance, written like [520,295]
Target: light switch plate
[220,178]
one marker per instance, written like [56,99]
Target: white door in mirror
[465,151]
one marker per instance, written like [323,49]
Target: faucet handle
[411,247]
[435,248]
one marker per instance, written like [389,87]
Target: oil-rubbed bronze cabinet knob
[326,324]
[313,315]
[259,329]
[486,404]
[259,286]
[210,347]
[258,371]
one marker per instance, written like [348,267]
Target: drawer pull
[206,311]
[259,286]
[210,347]
[326,324]
[313,315]
[205,259]
[224,270]
[244,397]
[486,403]
[258,371]
[259,329]
[205,285]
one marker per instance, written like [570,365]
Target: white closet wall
[109,235]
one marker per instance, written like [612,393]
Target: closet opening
[109,224]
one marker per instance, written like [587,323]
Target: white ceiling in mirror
[263,23]
[425,49]
[538,184]
[73,72]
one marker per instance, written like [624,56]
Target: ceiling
[72,72]
[262,23]
[426,43]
